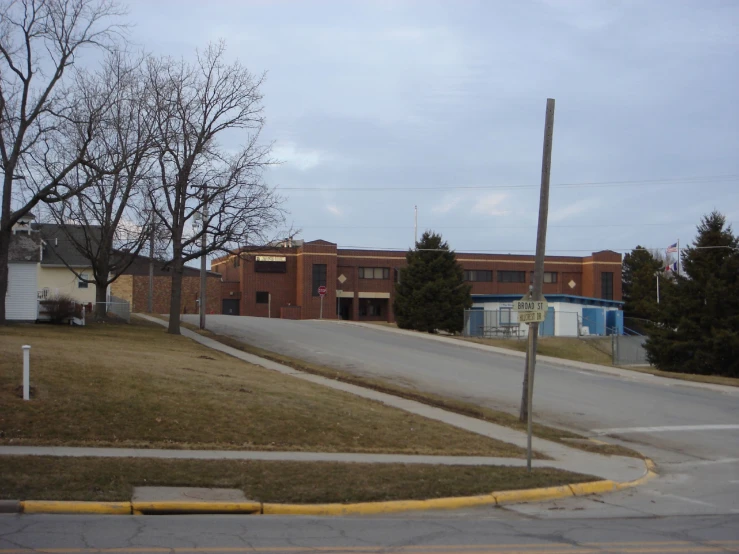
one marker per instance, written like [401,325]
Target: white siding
[20,301]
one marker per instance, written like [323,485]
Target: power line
[528,251]
[483,228]
[703,180]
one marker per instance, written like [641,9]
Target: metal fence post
[26,372]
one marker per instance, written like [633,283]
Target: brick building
[283,281]
[133,286]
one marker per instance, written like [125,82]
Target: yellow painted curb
[177,507]
[378,507]
[650,474]
[72,507]
[594,487]
[452,503]
[532,495]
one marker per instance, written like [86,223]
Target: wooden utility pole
[541,241]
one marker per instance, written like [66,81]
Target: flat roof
[569,298]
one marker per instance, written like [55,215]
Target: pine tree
[698,328]
[432,294]
[640,284]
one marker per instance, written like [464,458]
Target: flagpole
[678,257]
[658,287]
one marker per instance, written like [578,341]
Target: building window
[82,281]
[505,317]
[606,285]
[374,273]
[549,277]
[511,276]
[237,259]
[262,266]
[262,297]
[371,307]
[478,275]
[319,277]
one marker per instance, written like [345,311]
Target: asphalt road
[479,531]
[692,433]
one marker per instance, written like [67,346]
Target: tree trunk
[4,255]
[100,300]
[175,299]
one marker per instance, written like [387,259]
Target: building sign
[271,258]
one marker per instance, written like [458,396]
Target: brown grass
[458,406]
[111,479]
[135,385]
[594,350]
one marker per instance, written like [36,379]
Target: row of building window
[486,275]
[475,275]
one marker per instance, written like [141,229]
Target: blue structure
[546,329]
[615,323]
[595,320]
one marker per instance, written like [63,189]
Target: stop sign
[322,290]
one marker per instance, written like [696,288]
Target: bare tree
[200,180]
[39,41]
[109,221]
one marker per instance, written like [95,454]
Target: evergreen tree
[432,294]
[639,280]
[698,329]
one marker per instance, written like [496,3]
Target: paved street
[693,433]
[479,531]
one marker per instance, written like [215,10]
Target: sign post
[321,293]
[532,312]
[541,240]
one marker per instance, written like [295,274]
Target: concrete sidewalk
[615,468]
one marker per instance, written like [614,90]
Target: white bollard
[26,372]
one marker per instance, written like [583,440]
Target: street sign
[531,317]
[322,290]
[531,311]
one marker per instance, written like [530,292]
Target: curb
[362,508]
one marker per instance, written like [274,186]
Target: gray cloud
[433,94]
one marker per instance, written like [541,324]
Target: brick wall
[295,288]
[123,288]
[163,289]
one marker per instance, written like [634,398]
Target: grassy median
[111,479]
[136,385]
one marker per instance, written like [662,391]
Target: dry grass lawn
[592,350]
[135,385]
[596,350]
[451,404]
[111,479]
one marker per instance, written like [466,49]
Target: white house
[25,254]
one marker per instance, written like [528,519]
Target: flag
[671,267]
[672,248]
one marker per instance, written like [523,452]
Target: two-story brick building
[283,281]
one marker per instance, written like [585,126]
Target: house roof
[60,250]
[140,266]
[321,242]
[24,248]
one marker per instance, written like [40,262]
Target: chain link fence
[117,307]
[629,350]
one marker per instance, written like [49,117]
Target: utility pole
[203,258]
[541,241]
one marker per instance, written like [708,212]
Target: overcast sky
[389,95]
